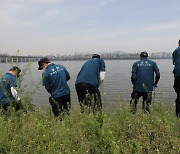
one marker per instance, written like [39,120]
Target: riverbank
[112,132]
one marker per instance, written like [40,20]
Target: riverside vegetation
[37,131]
[118,132]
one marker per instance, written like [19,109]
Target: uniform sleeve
[45,81]
[173,57]
[102,67]
[155,67]
[13,82]
[67,74]
[134,68]
[133,75]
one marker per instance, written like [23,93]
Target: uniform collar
[51,64]
[143,58]
[9,74]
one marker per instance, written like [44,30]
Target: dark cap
[144,54]
[42,61]
[96,56]
[15,68]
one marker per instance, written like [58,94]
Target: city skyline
[42,27]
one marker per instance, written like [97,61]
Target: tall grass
[117,132]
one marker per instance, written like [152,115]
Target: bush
[117,132]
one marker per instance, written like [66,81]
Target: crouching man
[8,92]
[143,81]
[55,78]
[88,80]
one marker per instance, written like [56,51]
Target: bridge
[4,58]
[10,59]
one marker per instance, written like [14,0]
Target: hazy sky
[41,27]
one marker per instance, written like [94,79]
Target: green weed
[118,132]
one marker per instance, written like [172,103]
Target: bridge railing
[11,59]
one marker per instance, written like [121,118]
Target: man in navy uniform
[55,78]
[176,72]
[8,92]
[88,80]
[143,81]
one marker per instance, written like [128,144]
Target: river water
[117,86]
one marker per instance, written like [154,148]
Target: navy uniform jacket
[7,81]
[90,72]
[176,61]
[144,70]
[54,78]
